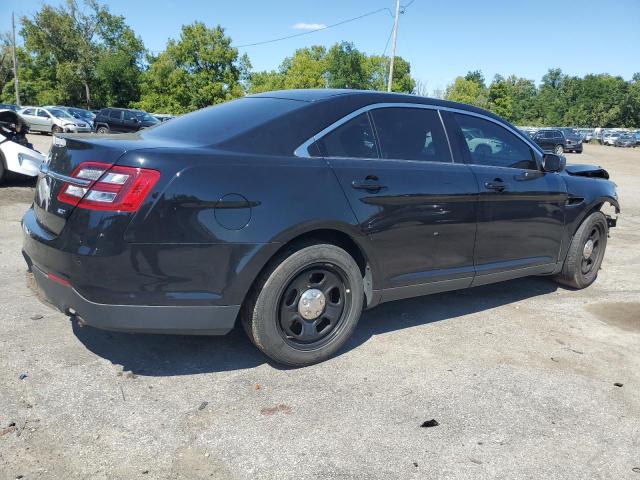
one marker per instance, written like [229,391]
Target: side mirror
[553,163]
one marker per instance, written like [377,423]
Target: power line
[404,7]
[316,30]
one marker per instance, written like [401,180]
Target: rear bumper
[185,320]
[61,276]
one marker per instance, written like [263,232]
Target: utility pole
[393,45]
[15,60]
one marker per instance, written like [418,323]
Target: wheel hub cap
[311,304]
[588,249]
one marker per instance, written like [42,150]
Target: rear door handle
[497,184]
[368,186]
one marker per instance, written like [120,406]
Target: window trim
[303,150]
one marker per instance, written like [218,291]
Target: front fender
[586,195]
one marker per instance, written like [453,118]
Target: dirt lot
[520,377]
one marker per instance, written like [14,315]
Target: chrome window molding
[303,150]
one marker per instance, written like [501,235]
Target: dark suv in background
[122,120]
[557,141]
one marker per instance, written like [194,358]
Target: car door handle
[368,186]
[497,184]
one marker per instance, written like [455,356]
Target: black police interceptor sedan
[290,212]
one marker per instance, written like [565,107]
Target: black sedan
[291,211]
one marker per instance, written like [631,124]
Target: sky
[441,39]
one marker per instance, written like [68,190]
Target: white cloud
[308,26]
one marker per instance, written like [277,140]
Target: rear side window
[352,139]
[411,134]
[29,111]
[492,145]
[219,123]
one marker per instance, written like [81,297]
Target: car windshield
[56,112]
[80,113]
[145,117]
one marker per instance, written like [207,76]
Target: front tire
[3,170]
[306,305]
[102,130]
[559,149]
[56,129]
[584,258]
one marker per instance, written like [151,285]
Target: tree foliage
[79,54]
[198,70]
[600,100]
[341,66]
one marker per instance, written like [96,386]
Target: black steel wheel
[591,250]
[305,305]
[586,252]
[313,305]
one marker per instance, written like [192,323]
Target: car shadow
[167,355]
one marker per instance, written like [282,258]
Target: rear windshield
[218,123]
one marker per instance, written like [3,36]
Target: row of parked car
[565,139]
[61,119]
[558,140]
[619,138]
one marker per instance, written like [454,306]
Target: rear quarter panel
[221,216]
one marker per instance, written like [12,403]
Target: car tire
[278,323]
[3,170]
[559,150]
[580,268]
[102,130]
[55,129]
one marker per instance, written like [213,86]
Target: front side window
[492,145]
[115,115]
[130,115]
[411,134]
[352,139]
[42,113]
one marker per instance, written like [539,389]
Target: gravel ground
[520,377]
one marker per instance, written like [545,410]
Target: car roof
[372,96]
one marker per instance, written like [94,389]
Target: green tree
[346,67]
[476,76]
[198,70]
[377,68]
[77,50]
[342,66]
[306,68]
[467,91]
[513,98]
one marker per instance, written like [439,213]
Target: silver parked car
[53,120]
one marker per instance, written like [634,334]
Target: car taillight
[109,188]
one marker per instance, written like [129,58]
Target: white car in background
[53,120]
[17,155]
[611,139]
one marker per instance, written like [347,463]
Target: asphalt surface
[520,377]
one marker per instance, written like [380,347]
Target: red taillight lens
[111,188]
